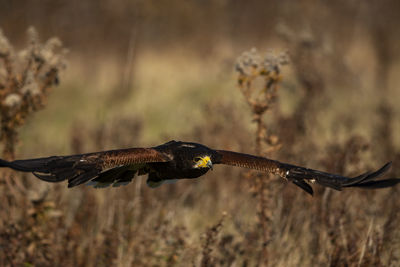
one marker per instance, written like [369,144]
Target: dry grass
[216,220]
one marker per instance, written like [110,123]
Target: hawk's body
[177,160]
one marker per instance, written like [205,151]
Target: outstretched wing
[301,176]
[113,167]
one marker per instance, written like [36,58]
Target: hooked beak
[209,164]
[204,162]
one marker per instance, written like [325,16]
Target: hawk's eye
[196,159]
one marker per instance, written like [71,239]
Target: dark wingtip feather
[48,177]
[82,178]
[378,184]
[299,176]
[305,186]
[366,177]
[4,163]
[379,172]
[368,181]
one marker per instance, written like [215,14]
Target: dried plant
[265,72]
[26,79]
[210,239]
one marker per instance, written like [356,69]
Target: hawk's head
[202,162]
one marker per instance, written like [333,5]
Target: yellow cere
[202,162]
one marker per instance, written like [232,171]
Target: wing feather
[79,169]
[301,176]
[248,161]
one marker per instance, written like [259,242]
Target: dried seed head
[273,62]
[57,61]
[273,139]
[30,87]
[33,36]
[12,101]
[248,62]
[48,51]
[5,47]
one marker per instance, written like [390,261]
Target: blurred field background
[140,73]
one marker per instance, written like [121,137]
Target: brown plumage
[178,160]
[249,161]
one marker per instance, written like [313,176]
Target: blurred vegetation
[143,72]
[25,85]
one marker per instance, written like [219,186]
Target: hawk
[178,160]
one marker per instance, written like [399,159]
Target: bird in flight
[178,160]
